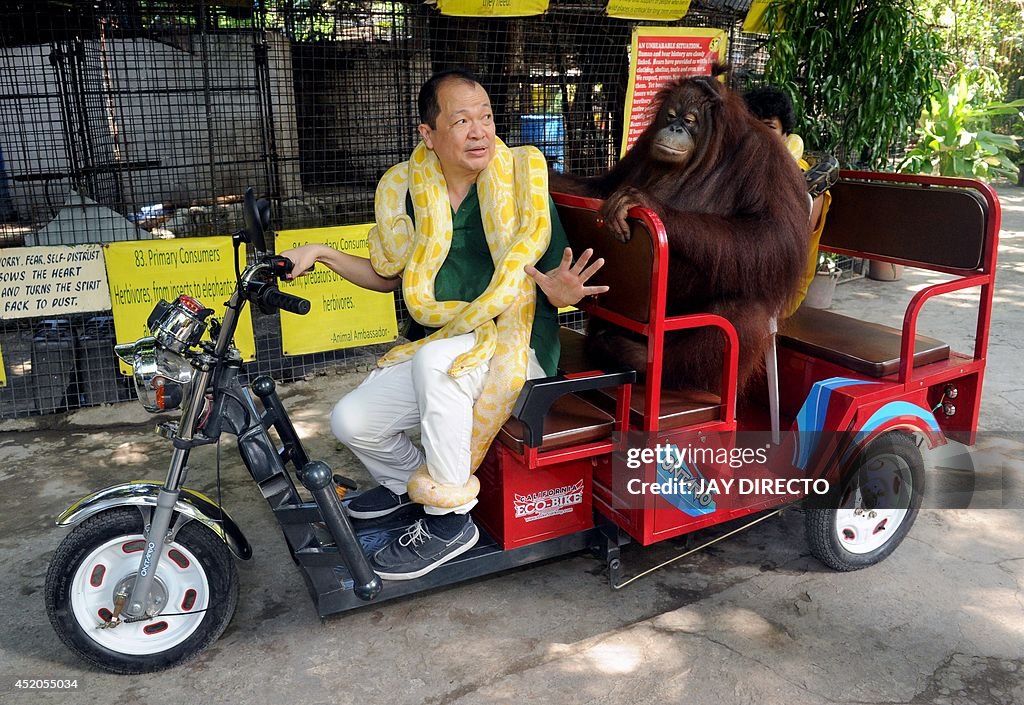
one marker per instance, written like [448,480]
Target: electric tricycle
[591,459]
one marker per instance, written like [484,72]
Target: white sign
[52,281]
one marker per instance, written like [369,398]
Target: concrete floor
[754,619]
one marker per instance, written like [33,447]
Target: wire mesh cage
[126,120]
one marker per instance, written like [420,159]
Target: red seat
[679,407]
[571,421]
[871,349]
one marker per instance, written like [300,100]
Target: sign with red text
[659,56]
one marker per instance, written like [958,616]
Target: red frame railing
[658,324]
[985,277]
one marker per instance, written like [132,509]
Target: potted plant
[823,286]
[884,271]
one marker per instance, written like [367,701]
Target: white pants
[372,419]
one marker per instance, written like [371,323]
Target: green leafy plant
[955,136]
[988,33]
[828,263]
[859,72]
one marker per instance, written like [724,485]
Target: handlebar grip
[281,266]
[272,297]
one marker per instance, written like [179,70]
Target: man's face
[463,138]
[774,123]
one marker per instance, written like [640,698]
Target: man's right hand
[303,258]
[357,270]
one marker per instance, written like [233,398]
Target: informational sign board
[492,8]
[342,315]
[661,10]
[142,273]
[52,281]
[661,55]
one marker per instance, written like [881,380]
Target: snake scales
[513,192]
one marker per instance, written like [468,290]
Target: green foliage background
[982,34]
[955,135]
[859,72]
[935,85]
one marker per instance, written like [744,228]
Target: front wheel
[875,508]
[195,593]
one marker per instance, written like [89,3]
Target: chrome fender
[191,504]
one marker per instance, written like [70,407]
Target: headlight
[160,375]
[180,325]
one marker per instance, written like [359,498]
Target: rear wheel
[194,593]
[875,508]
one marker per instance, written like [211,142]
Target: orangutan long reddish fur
[737,222]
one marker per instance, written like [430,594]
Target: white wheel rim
[876,506]
[179,573]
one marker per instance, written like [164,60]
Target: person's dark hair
[427,101]
[768,102]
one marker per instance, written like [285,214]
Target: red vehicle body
[863,380]
[591,458]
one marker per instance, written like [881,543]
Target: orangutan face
[687,118]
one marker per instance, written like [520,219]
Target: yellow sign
[3,371]
[659,56]
[342,314]
[754,21]
[492,8]
[664,10]
[143,272]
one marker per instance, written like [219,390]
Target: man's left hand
[564,285]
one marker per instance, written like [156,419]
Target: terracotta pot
[821,290]
[884,271]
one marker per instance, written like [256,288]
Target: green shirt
[468,269]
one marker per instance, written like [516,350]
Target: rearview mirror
[257,219]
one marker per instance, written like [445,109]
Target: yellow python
[513,192]
[795,145]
